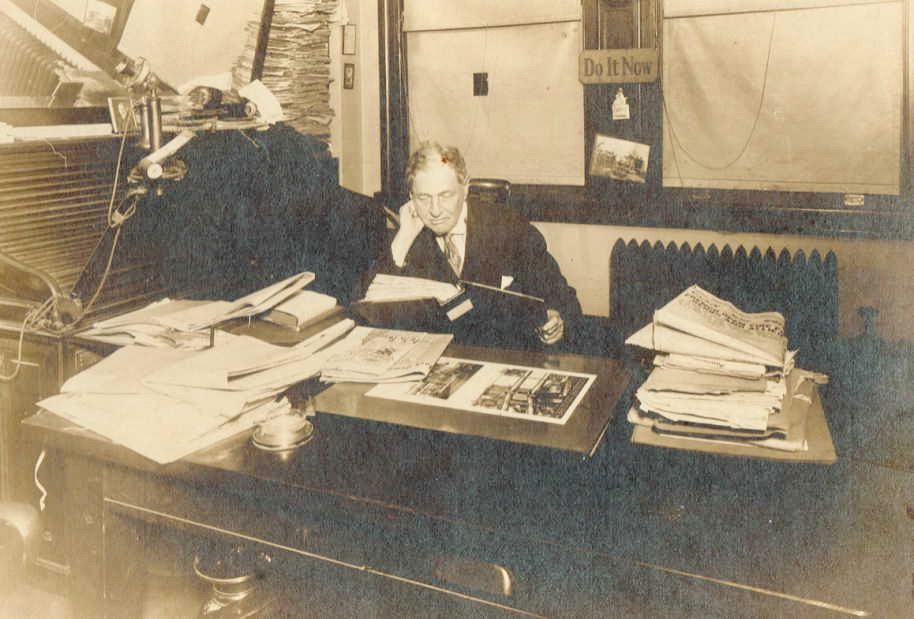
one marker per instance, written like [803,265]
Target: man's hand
[410,227]
[554,328]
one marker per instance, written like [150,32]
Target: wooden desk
[582,433]
[388,520]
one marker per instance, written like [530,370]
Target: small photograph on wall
[123,116]
[620,160]
[99,16]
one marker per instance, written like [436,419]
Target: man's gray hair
[429,152]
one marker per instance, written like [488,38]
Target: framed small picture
[348,76]
[100,16]
[621,160]
[123,117]
[350,34]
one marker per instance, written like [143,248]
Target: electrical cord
[44,492]
[32,319]
[115,217]
[104,278]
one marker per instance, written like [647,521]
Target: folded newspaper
[700,324]
[257,302]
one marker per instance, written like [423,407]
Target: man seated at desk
[446,236]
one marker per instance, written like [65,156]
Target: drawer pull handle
[477,575]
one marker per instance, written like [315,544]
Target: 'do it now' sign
[618,66]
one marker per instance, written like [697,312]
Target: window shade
[529,128]
[806,99]
[53,204]
[449,15]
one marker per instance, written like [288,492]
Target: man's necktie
[452,253]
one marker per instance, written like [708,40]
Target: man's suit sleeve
[537,273]
[383,263]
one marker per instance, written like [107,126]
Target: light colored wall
[870,272]
[356,130]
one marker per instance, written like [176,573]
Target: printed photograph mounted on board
[621,160]
[123,116]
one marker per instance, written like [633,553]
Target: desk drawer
[338,543]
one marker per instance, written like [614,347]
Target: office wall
[356,130]
[870,272]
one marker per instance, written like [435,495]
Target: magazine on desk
[535,394]
[383,355]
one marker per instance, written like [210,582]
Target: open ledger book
[698,323]
[400,300]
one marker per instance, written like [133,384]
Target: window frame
[606,202]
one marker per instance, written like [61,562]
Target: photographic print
[350,35]
[533,393]
[621,160]
[273,347]
[123,116]
[445,378]
[494,389]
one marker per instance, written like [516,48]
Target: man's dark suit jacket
[499,242]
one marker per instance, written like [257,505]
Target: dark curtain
[257,206]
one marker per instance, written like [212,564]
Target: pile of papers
[166,403]
[371,355]
[259,301]
[721,374]
[184,324]
[296,67]
[143,327]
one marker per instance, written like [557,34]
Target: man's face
[438,197]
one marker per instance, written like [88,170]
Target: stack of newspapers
[721,374]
